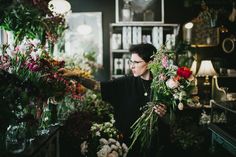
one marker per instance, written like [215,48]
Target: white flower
[125,148]
[171,83]
[104,151]
[175,96]
[35,42]
[114,147]
[180,106]
[11,52]
[112,140]
[118,144]
[113,154]
[22,48]
[113,120]
[103,141]
[34,55]
[107,124]
[84,147]
[98,133]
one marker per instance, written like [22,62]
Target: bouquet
[171,86]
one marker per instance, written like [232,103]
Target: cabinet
[223,126]
[122,35]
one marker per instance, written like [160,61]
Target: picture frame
[140,8]
[204,36]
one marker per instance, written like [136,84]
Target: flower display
[106,139]
[171,86]
[31,62]
[29,76]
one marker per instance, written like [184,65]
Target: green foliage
[32,20]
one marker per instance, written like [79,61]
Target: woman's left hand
[160,109]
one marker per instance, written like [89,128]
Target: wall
[179,11]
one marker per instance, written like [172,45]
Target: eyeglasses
[134,62]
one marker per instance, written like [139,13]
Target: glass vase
[16,138]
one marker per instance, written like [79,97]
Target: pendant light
[84,28]
[59,6]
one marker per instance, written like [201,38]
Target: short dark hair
[144,50]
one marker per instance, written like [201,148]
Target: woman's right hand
[74,73]
[68,72]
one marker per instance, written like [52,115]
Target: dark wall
[107,7]
[176,11]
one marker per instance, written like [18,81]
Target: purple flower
[4,62]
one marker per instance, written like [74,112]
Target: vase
[16,138]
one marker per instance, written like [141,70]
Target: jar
[127,12]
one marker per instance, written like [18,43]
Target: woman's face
[137,65]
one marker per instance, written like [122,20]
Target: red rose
[184,72]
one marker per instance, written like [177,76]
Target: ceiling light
[84,29]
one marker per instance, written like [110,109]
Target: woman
[129,93]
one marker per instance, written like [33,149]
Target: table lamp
[206,69]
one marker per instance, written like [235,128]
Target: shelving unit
[124,34]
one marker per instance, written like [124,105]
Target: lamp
[206,69]
[59,6]
[84,29]
[187,32]
[194,67]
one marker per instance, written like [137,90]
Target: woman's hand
[160,109]
[75,73]
[68,72]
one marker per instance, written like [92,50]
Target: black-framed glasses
[134,62]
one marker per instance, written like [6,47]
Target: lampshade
[194,67]
[59,6]
[206,69]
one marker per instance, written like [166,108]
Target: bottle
[127,13]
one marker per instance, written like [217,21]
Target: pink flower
[4,62]
[33,66]
[164,61]
[171,83]
[162,77]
